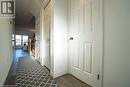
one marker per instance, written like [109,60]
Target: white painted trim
[102,27]
[6,73]
[59,74]
[41,30]
[69,26]
[2,81]
[52,39]
[1,84]
[52,74]
[102,45]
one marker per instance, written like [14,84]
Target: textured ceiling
[25,11]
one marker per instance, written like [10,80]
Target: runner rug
[31,74]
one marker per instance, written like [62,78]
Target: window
[21,40]
[18,40]
[25,40]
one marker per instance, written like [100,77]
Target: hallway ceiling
[25,11]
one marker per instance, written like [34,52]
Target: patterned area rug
[31,74]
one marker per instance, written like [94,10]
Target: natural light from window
[18,40]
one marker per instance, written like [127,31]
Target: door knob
[71,38]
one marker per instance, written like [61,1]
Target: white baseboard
[5,74]
[1,85]
[52,74]
[55,75]
[1,82]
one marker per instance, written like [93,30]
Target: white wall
[6,49]
[59,30]
[58,34]
[116,43]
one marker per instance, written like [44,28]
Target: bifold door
[47,28]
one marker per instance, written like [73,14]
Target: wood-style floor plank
[70,81]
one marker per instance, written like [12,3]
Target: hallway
[64,43]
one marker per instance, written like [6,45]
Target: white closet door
[85,40]
[37,43]
[47,19]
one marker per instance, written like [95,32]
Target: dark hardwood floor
[11,78]
[70,81]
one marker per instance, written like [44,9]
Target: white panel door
[85,39]
[47,19]
[37,43]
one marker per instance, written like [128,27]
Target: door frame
[43,12]
[101,71]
